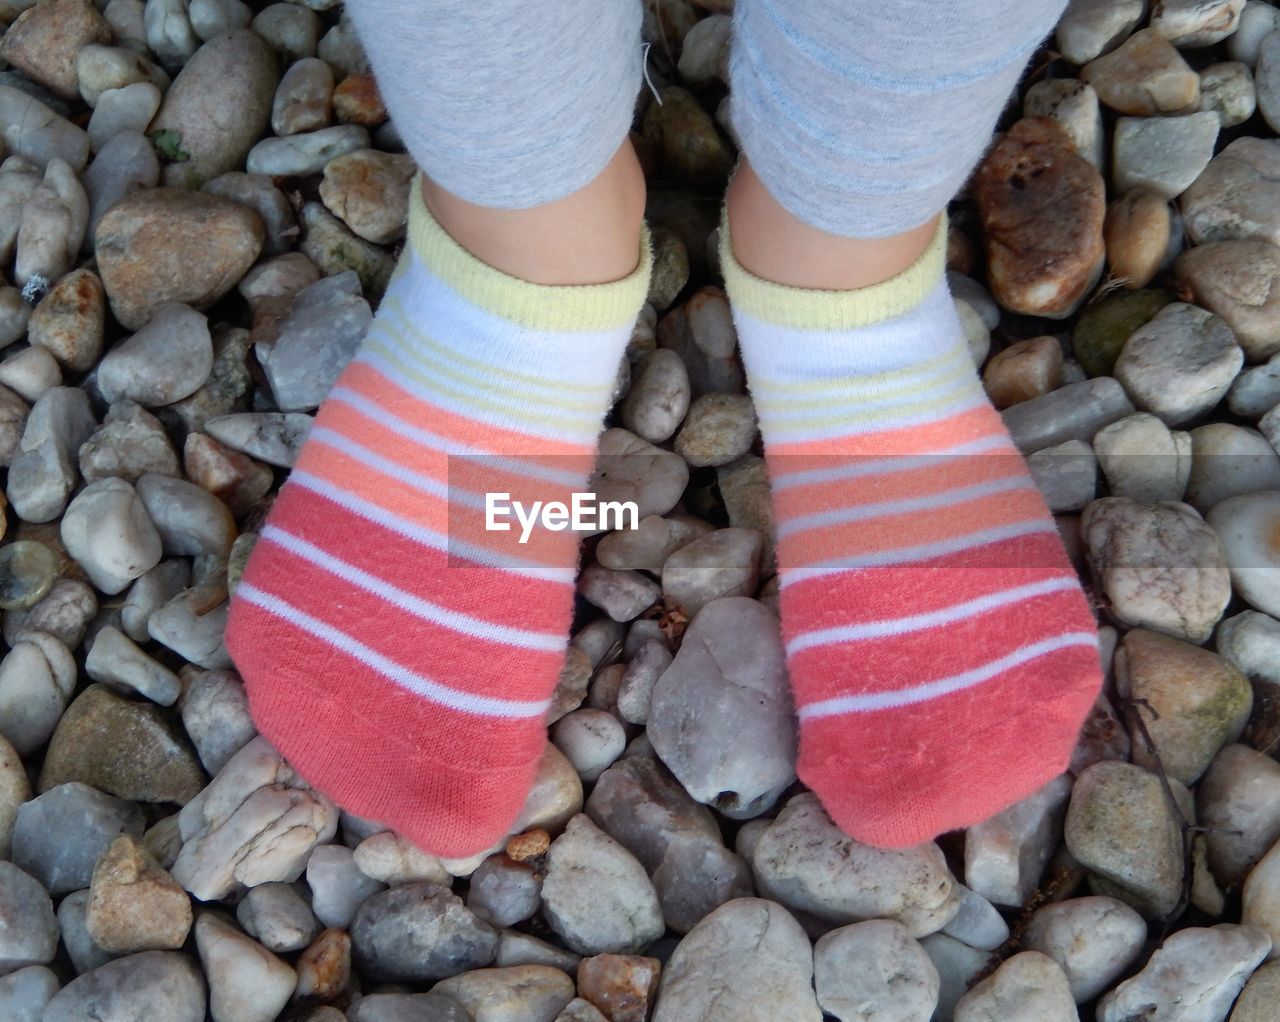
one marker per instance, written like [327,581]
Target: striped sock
[941,652]
[398,654]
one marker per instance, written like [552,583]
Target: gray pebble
[418,933]
[59,836]
[278,917]
[160,986]
[306,153]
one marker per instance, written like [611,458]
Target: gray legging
[862,117]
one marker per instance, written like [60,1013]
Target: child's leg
[942,654]
[397,653]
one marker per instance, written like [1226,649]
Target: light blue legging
[861,117]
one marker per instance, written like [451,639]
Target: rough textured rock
[874,972]
[134,905]
[419,932]
[1238,281]
[1029,987]
[152,984]
[1094,939]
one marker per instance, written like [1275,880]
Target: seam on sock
[568,308]
[813,309]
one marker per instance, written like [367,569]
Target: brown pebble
[1137,237]
[324,968]
[356,100]
[621,986]
[1146,76]
[1024,370]
[528,845]
[234,478]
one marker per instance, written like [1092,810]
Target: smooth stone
[417,933]
[1026,369]
[1065,474]
[1074,105]
[85,955]
[369,191]
[25,993]
[1073,412]
[521,993]
[254,823]
[260,193]
[356,100]
[189,520]
[43,473]
[721,716]
[338,887]
[622,985]
[958,966]
[15,313]
[1005,856]
[315,342]
[1238,802]
[1192,701]
[170,35]
[64,613]
[1227,89]
[215,715]
[54,221]
[247,983]
[218,106]
[1029,987]
[61,834]
[1033,175]
[659,396]
[281,276]
[1120,827]
[647,547]
[978,922]
[722,563]
[516,948]
[748,961]
[1180,364]
[171,245]
[134,905]
[390,859]
[273,437]
[1088,28]
[1164,155]
[29,935]
[308,153]
[1251,641]
[126,109]
[324,968]
[168,359]
[631,469]
[334,248]
[1159,564]
[1257,21]
[1227,461]
[556,795]
[1238,281]
[685,138]
[304,98]
[717,429]
[1235,197]
[164,986]
[109,533]
[127,163]
[1197,973]
[1142,459]
[1257,1001]
[1267,79]
[1260,896]
[1247,527]
[1094,939]
[212,18]
[1146,76]
[1194,23]
[31,701]
[1138,231]
[635,692]
[19,178]
[1105,325]
[504,892]
[701,332]
[15,789]
[1253,393]
[596,895]
[290,28]
[406,1008]
[278,917]
[130,443]
[29,373]
[42,42]
[151,592]
[803,861]
[102,69]
[874,972]
[591,740]
[623,595]
[27,573]
[13,423]
[30,129]
[68,322]
[122,747]
[193,624]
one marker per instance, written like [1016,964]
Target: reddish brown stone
[621,986]
[356,100]
[234,478]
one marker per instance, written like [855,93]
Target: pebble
[304,98]
[407,1008]
[874,972]
[254,823]
[30,932]
[1028,987]
[170,358]
[1042,207]
[1238,802]
[1196,974]
[86,748]
[291,29]
[278,917]
[1072,412]
[369,191]
[722,563]
[260,193]
[1094,939]
[247,983]
[273,437]
[1180,364]
[704,53]
[332,246]
[623,986]
[1228,461]
[685,137]
[19,177]
[1257,21]
[14,312]
[1091,27]
[85,955]
[1138,231]
[622,595]
[1192,701]
[596,896]
[31,130]
[190,521]
[1024,370]
[647,547]
[27,573]
[591,740]
[149,593]
[1237,280]
[1235,197]
[1267,79]
[1163,155]
[130,443]
[721,714]
[1195,23]
[134,905]
[417,933]
[64,613]
[1227,89]
[521,993]
[504,892]
[232,72]
[30,372]
[1159,565]
[102,69]
[31,700]
[60,835]
[1142,459]
[1074,105]
[701,332]
[356,101]
[314,342]
[635,693]
[171,245]
[116,661]
[43,41]
[42,473]
[1066,475]
[127,109]
[1253,393]
[127,21]
[516,948]
[1260,896]
[1246,525]
[803,861]
[629,468]
[324,968]
[192,625]
[338,887]
[13,421]
[236,480]
[53,227]
[164,986]
[659,396]
[126,164]
[169,33]
[390,859]
[1251,641]
[958,966]
[1121,828]
[1257,1001]
[109,533]
[212,18]
[1146,76]
[15,789]
[340,48]
[717,429]
[1005,856]
[307,153]
[24,993]
[555,797]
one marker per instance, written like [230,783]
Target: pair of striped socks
[402,655]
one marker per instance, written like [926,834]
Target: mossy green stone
[1104,326]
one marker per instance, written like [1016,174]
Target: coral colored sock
[941,652]
[397,653]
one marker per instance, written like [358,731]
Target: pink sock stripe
[424,687]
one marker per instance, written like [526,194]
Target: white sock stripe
[839,391]
[864,404]
[450,449]
[428,537]
[410,681]
[832,427]
[858,467]
[920,552]
[465,624]
[930,619]
[944,686]
[888,508]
